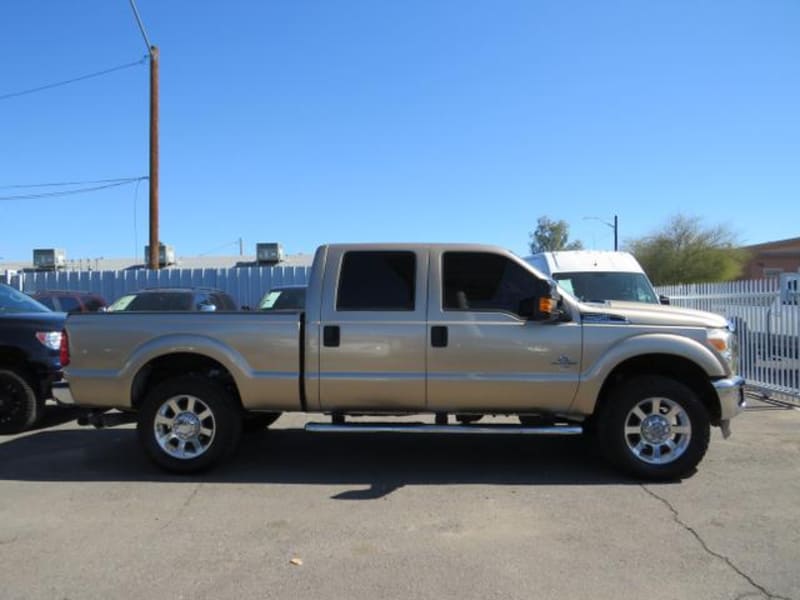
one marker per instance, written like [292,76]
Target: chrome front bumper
[730,393]
[62,393]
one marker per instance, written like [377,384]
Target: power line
[141,26]
[65,183]
[61,193]
[68,81]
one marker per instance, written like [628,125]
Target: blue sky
[313,122]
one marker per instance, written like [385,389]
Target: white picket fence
[767,323]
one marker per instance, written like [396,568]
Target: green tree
[686,251]
[551,236]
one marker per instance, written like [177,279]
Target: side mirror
[662,299]
[544,305]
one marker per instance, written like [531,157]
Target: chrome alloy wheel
[658,431]
[184,427]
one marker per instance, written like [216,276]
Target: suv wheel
[20,409]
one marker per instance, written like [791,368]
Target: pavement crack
[183,506]
[188,500]
[677,518]
[8,541]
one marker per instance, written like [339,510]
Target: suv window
[377,281]
[93,304]
[223,301]
[168,301]
[48,302]
[69,304]
[483,281]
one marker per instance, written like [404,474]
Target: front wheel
[654,427]
[189,424]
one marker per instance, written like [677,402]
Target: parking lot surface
[352,516]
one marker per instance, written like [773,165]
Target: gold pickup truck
[455,331]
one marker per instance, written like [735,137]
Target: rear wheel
[654,427]
[189,424]
[20,409]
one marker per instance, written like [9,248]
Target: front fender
[665,344]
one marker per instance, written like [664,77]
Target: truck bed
[261,350]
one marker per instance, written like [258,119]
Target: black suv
[174,299]
[30,359]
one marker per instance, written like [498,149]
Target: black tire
[673,415]
[255,422]
[193,411]
[20,409]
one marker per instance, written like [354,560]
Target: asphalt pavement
[298,515]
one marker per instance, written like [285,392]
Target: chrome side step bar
[363,427]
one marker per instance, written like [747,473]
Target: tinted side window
[48,302]
[69,304]
[168,301]
[377,281]
[93,304]
[223,301]
[482,281]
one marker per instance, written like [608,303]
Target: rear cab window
[377,281]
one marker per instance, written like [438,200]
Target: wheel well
[168,366]
[16,360]
[666,365]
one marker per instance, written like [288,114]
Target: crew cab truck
[398,329]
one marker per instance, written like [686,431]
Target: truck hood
[640,313]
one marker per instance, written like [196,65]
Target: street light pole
[153,254]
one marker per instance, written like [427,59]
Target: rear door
[372,330]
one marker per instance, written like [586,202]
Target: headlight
[724,342]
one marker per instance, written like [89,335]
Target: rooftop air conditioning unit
[269,253]
[49,259]
[166,255]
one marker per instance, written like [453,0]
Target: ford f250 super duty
[399,329]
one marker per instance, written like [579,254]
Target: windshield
[284,298]
[598,286]
[155,301]
[13,301]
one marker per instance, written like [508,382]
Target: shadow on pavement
[383,462]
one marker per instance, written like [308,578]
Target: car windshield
[287,298]
[599,286]
[156,301]
[13,301]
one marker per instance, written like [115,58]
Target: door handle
[439,336]
[331,336]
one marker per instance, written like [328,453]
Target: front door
[482,354]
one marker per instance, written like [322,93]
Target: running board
[425,428]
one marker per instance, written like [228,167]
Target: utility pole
[614,226]
[154,241]
[153,257]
